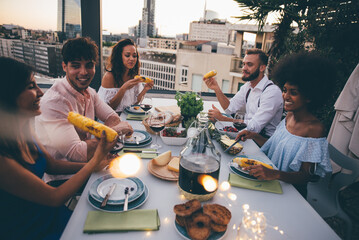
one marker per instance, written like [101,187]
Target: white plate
[140,138]
[102,185]
[220,125]
[132,109]
[119,208]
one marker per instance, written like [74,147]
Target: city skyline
[170,19]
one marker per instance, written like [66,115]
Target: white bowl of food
[226,128]
[174,136]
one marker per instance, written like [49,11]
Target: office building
[147,24]
[44,58]
[159,65]
[6,47]
[69,18]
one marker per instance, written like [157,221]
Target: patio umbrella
[344,132]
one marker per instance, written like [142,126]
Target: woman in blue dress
[31,209]
[298,148]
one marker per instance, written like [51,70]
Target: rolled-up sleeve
[271,102]
[238,102]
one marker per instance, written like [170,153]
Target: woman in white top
[119,88]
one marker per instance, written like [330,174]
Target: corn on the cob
[144,79]
[210,74]
[245,162]
[91,126]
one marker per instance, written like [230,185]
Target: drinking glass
[157,124]
[146,105]
[238,121]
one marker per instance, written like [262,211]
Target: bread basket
[149,130]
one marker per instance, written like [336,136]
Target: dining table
[288,215]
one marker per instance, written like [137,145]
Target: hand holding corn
[91,126]
[144,79]
[210,74]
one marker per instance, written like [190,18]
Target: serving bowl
[221,125]
[176,141]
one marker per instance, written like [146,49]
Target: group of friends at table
[45,160]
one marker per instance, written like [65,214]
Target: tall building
[147,25]
[69,17]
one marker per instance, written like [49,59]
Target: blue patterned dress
[288,151]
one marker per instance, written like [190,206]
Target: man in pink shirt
[72,93]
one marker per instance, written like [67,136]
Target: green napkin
[135,117]
[135,220]
[265,186]
[141,155]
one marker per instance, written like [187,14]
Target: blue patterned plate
[101,186]
[183,232]
[141,136]
[119,208]
[236,169]
[132,110]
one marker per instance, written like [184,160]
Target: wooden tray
[162,172]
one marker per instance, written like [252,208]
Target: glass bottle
[199,167]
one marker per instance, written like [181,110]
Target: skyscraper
[69,17]
[148,27]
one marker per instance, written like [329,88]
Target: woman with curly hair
[30,208]
[298,147]
[119,88]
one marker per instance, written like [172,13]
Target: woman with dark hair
[31,209]
[119,88]
[298,147]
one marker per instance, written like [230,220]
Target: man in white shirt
[259,96]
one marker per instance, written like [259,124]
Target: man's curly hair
[313,74]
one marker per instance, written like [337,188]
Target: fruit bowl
[174,136]
[226,128]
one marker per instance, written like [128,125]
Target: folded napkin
[135,117]
[135,220]
[141,155]
[265,186]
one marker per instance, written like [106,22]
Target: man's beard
[252,76]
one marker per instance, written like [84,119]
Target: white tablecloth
[289,211]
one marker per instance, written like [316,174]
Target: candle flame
[125,166]
[208,182]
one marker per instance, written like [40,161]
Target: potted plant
[190,104]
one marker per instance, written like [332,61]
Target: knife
[232,145]
[138,151]
[125,206]
[104,202]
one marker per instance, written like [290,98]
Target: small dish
[221,125]
[175,141]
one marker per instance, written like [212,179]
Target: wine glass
[238,121]
[156,123]
[146,105]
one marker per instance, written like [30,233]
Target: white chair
[323,195]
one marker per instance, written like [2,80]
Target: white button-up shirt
[269,112]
